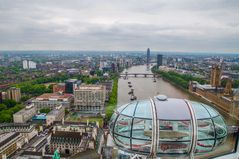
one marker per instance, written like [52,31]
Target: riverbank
[111,105]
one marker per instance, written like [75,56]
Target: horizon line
[139,51]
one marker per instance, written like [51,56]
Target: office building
[51,100]
[148,56]
[10,143]
[14,94]
[216,74]
[56,114]
[159,60]
[90,98]
[71,85]
[25,114]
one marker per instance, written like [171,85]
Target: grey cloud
[183,25]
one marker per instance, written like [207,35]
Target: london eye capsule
[162,126]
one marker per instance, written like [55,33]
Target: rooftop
[25,110]
[15,125]
[90,87]
[5,138]
[55,111]
[71,80]
[14,88]
[67,134]
[54,96]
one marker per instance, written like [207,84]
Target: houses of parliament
[226,98]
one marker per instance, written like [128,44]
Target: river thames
[146,87]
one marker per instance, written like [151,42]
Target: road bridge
[149,75]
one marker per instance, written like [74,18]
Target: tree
[45,110]
[2,106]
[50,88]
[16,108]
[113,100]
[25,98]
[5,117]
[236,84]
[9,103]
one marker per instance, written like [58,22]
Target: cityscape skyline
[63,102]
[183,26]
[119,79]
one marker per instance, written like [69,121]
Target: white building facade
[90,98]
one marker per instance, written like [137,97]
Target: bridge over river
[150,75]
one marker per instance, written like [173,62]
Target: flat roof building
[56,114]
[90,98]
[51,100]
[25,114]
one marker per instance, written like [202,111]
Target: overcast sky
[162,25]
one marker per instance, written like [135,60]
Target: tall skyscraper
[113,67]
[216,74]
[148,56]
[159,60]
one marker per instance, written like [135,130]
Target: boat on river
[133,97]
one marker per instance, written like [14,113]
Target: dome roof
[167,126]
